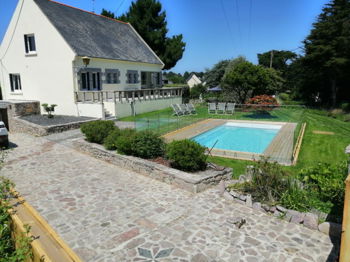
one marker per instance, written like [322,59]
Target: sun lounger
[230,108]
[211,108]
[176,109]
[221,108]
[183,109]
[191,109]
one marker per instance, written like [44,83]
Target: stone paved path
[106,213]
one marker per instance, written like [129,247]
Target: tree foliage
[243,80]
[280,59]
[326,64]
[148,19]
[214,76]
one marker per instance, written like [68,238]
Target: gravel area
[43,120]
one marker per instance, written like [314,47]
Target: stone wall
[193,182]
[24,108]
[312,220]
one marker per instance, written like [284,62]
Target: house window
[29,43]
[143,78]
[15,82]
[132,77]
[112,76]
[90,80]
[158,79]
[96,83]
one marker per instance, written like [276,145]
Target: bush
[262,103]
[327,181]
[110,141]
[123,143]
[147,144]
[345,107]
[269,182]
[197,90]
[97,131]
[186,155]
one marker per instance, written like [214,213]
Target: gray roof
[96,36]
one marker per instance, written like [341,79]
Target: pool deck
[279,150]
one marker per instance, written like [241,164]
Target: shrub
[345,107]
[327,181]
[186,155]
[147,144]
[110,141]
[269,182]
[262,103]
[197,90]
[49,109]
[124,142]
[97,131]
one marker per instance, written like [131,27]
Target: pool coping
[273,151]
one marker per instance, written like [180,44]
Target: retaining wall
[193,182]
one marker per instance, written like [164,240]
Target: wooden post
[345,236]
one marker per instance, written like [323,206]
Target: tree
[327,55]
[214,76]
[244,80]
[107,13]
[174,77]
[148,19]
[280,59]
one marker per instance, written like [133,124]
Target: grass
[315,147]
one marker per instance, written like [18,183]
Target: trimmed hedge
[110,141]
[123,143]
[147,144]
[186,155]
[97,131]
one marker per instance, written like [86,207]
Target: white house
[193,80]
[85,63]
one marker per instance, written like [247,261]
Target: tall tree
[243,80]
[327,55]
[214,75]
[280,60]
[148,19]
[107,13]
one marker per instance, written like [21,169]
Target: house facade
[193,80]
[87,64]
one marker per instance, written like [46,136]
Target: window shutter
[32,43]
[11,83]
[26,43]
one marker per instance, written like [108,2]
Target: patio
[106,213]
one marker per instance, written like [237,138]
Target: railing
[345,236]
[126,96]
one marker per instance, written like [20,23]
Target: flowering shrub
[262,103]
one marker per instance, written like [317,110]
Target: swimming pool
[236,136]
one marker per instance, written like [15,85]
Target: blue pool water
[239,137]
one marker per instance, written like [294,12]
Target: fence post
[345,235]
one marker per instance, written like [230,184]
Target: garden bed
[192,182]
[314,220]
[41,125]
[43,120]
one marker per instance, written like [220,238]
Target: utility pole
[271,58]
[93,6]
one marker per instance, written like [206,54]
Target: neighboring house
[166,81]
[193,80]
[80,61]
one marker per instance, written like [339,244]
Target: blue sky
[218,29]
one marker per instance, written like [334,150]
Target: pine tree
[327,54]
[148,19]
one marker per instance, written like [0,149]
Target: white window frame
[28,45]
[15,83]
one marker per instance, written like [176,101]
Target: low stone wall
[193,182]
[310,219]
[22,126]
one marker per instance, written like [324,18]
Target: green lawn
[315,147]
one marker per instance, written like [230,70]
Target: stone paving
[106,213]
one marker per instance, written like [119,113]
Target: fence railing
[126,96]
[345,236]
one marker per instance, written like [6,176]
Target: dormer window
[29,43]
